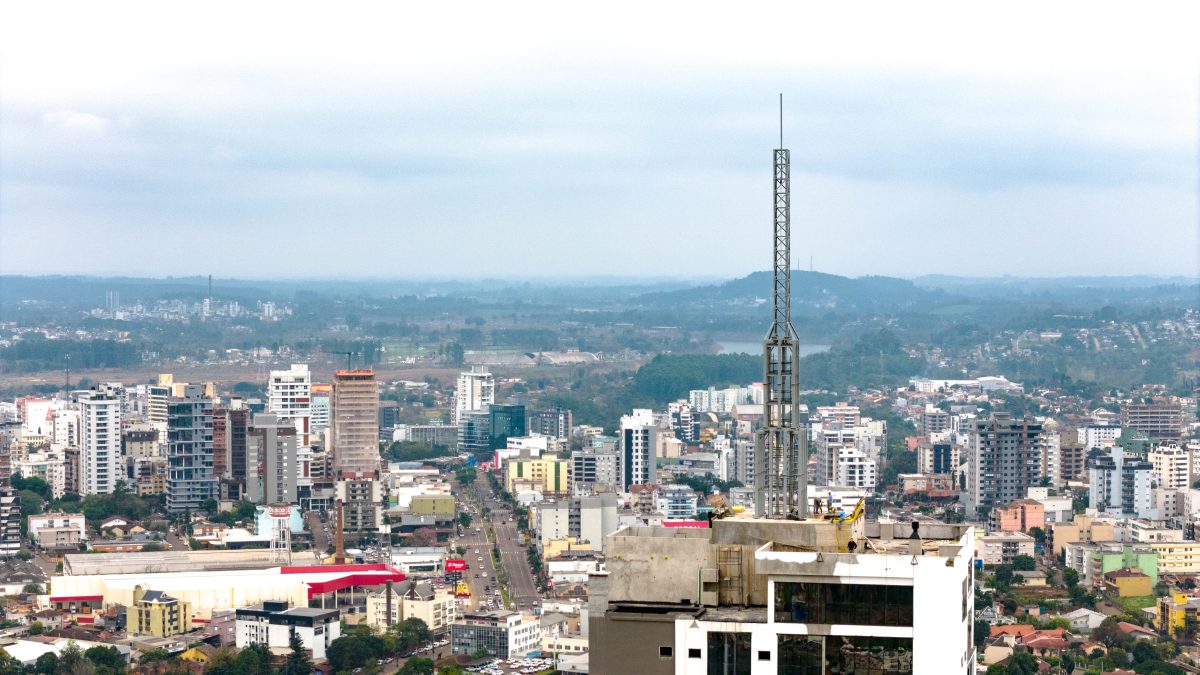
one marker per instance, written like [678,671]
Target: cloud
[76,122]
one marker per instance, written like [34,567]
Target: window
[728,653]
[665,652]
[848,604]
[693,653]
[801,655]
[868,655]
[764,655]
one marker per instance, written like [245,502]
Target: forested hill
[810,289]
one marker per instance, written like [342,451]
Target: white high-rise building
[100,442]
[476,391]
[1119,485]
[855,469]
[638,439]
[1173,466]
[289,396]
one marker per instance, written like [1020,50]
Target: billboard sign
[456,565]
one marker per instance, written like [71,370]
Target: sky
[549,139]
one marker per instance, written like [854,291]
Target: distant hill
[814,290]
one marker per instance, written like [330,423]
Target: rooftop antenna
[781,458]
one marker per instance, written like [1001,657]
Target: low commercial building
[212,587]
[501,633]
[425,561]
[158,614]
[1001,547]
[272,623]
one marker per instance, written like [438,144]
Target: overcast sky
[534,139]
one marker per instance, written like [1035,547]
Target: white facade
[639,440]
[1119,485]
[939,639]
[476,390]
[100,442]
[49,466]
[66,428]
[676,501]
[1172,466]
[1097,435]
[316,628]
[855,469]
[74,521]
[289,396]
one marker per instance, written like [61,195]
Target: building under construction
[785,590]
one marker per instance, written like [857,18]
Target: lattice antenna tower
[781,458]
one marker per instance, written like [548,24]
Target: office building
[1006,458]
[271,452]
[476,391]
[190,480]
[639,440]
[555,423]
[504,422]
[777,596]
[100,442]
[273,623]
[354,437]
[475,432]
[1119,484]
[501,634]
[289,397]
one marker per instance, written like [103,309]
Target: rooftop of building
[86,564]
[820,535]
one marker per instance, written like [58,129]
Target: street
[521,587]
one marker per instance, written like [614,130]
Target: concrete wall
[631,644]
[659,564]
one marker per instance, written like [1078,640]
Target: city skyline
[387,146]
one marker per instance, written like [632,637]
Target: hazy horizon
[416,142]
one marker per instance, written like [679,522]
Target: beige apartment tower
[354,424]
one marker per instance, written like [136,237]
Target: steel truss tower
[781,456]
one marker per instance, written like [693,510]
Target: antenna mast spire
[781,457]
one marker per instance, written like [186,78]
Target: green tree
[25,554]
[46,664]
[1038,534]
[71,661]
[35,589]
[298,662]
[1070,577]
[980,632]
[418,666]
[1023,563]
[105,659]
